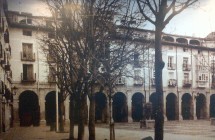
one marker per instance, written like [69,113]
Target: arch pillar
[164,105]
[16,110]
[42,110]
[129,102]
[194,105]
[207,113]
[179,106]
[66,102]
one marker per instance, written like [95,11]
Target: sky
[197,21]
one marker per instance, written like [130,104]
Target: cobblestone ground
[173,130]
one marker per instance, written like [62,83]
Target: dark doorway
[171,106]
[120,108]
[200,106]
[154,100]
[187,107]
[212,106]
[101,107]
[137,107]
[29,111]
[50,108]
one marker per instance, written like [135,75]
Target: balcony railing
[28,78]
[187,83]
[171,66]
[172,83]
[186,67]
[138,81]
[201,84]
[28,57]
[153,82]
[51,78]
[201,68]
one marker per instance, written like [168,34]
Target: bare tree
[81,29]
[160,13]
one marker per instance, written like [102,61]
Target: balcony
[28,57]
[9,76]
[28,78]
[201,84]
[186,67]
[187,83]
[153,82]
[172,83]
[171,66]
[51,78]
[201,68]
[138,81]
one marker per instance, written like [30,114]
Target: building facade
[28,95]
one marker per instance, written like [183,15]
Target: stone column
[164,106]
[129,103]
[16,110]
[179,106]
[66,103]
[194,106]
[207,113]
[42,110]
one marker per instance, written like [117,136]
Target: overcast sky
[198,21]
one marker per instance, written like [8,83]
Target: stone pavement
[173,130]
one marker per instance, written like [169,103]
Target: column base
[130,119]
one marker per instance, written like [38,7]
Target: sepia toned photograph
[107,70]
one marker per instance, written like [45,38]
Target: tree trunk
[72,119]
[61,113]
[81,122]
[159,64]
[91,124]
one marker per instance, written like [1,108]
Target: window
[203,77]
[28,74]
[186,76]
[6,36]
[27,51]
[170,62]
[185,49]
[185,60]
[27,32]
[199,52]
[136,60]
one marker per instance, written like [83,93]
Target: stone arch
[137,106]
[168,38]
[171,106]
[120,107]
[29,110]
[212,106]
[182,40]
[154,100]
[200,106]
[100,107]
[187,107]
[50,107]
[194,42]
